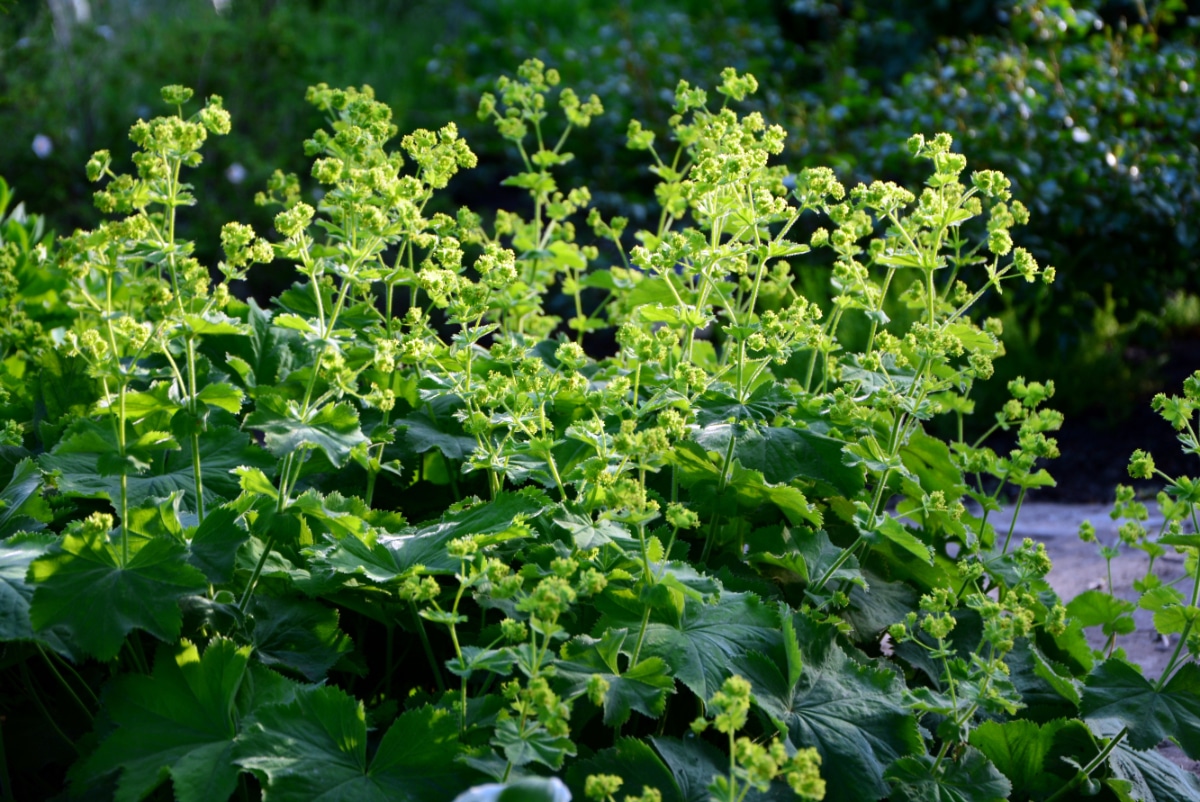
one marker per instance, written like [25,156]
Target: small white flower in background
[236,173]
[1080,135]
[42,146]
[551,789]
[82,9]
[221,6]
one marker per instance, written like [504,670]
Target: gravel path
[1078,566]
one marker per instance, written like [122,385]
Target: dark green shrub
[1096,120]
[78,83]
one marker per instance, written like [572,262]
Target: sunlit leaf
[1116,690]
[82,586]
[333,428]
[16,554]
[643,687]
[853,712]
[181,721]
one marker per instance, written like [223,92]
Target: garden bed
[400,536]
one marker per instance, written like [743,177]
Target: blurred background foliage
[1090,106]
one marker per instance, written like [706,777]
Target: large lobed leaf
[182,721]
[298,634]
[643,687]
[17,500]
[333,428]
[16,554]
[1151,777]
[970,778]
[222,449]
[745,491]
[315,748]
[1116,690]
[701,645]
[388,557]
[784,454]
[82,586]
[852,712]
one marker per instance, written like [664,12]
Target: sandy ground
[1078,566]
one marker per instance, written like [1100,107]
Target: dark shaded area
[1095,449]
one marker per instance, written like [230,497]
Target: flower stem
[1091,766]
[254,577]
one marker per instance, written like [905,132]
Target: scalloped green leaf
[853,712]
[532,743]
[589,534]
[785,454]
[315,748]
[264,356]
[701,644]
[222,449]
[901,536]
[422,433]
[211,323]
[811,556]
[389,557]
[746,490]
[1018,749]
[764,403]
[970,778]
[214,544]
[89,451]
[643,687]
[81,585]
[334,428]
[1094,608]
[15,514]
[1152,777]
[298,634]
[181,722]
[222,396]
[16,554]
[1115,690]
[929,459]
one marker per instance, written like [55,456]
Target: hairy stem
[428,647]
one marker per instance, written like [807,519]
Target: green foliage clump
[405,534]
[1091,109]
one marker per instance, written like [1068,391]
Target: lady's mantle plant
[401,534]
